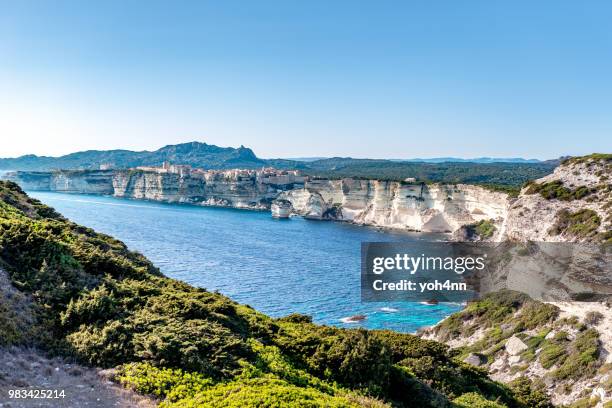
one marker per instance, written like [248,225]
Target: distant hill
[473,160]
[439,160]
[195,154]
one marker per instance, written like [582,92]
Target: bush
[554,190]
[473,400]
[552,354]
[583,223]
[262,393]
[593,318]
[582,356]
[163,383]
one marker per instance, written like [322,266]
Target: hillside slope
[573,204]
[98,302]
[515,337]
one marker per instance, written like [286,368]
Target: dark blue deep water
[276,266]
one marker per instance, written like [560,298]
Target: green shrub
[473,400]
[582,356]
[583,223]
[485,228]
[554,190]
[530,394]
[262,393]
[163,383]
[552,354]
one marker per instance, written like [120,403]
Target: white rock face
[515,346]
[533,217]
[430,208]
[66,181]
[281,209]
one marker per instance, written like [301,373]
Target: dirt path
[83,386]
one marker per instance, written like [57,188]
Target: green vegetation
[107,306]
[484,228]
[588,158]
[552,354]
[554,190]
[583,223]
[505,177]
[512,190]
[195,154]
[494,310]
[582,356]
[506,314]
[473,400]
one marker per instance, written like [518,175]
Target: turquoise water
[276,266]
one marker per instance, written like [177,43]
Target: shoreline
[382,228]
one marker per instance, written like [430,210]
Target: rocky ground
[564,348]
[23,368]
[573,204]
[29,369]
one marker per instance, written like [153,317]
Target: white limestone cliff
[419,207]
[389,204]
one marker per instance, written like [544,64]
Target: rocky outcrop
[562,348]
[230,188]
[280,209]
[573,204]
[515,346]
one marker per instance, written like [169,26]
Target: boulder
[514,359]
[475,359]
[515,346]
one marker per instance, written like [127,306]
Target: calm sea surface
[276,266]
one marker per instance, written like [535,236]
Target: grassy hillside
[564,355]
[94,299]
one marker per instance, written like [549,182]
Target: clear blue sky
[308,78]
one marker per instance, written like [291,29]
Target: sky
[383,79]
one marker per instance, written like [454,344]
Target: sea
[277,266]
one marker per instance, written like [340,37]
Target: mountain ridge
[201,154]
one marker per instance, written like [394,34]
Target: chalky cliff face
[175,184]
[419,207]
[84,182]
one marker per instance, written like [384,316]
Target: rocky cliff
[68,181]
[419,207]
[574,204]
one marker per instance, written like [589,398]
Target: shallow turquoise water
[276,266]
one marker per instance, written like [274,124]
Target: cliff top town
[266,175]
